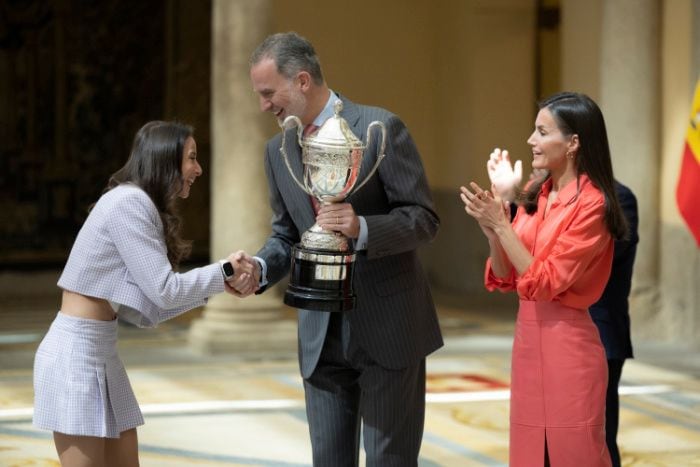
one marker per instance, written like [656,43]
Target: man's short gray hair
[291,53]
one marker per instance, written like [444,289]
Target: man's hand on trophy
[246,277]
[504,177]
[339,217]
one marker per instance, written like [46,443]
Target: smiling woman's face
[549,144]
[190,167]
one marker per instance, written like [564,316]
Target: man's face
[280,96]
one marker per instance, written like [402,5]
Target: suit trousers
[612,409]
[349,390]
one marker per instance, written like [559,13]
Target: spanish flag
[688,189]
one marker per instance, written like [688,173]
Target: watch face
[228,269]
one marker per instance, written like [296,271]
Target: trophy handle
[300,131]
[380,153]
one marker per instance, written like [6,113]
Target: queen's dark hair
[578,114]
[155,165]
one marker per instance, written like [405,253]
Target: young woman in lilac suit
[122,266]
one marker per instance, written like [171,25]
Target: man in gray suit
[365,366]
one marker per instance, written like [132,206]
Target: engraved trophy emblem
[323,262]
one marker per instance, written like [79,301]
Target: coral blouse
[571,245]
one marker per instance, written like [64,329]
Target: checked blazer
[120,255]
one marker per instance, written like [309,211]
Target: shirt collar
[570,190]
[327,111]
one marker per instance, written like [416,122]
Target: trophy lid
[334,134]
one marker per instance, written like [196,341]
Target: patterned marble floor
[245,410]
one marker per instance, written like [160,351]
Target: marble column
[629,99]
[240,213]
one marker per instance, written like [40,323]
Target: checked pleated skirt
[80,385]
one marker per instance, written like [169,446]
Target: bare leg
[79,451]
[122,451]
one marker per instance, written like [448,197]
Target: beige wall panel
[486,99]
[580,46]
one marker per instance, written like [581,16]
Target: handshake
[246,274]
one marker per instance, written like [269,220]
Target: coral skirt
[80,386]
[558,384]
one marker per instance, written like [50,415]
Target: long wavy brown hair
[155,165]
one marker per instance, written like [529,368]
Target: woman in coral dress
[556,255]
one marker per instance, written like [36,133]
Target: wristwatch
[227,269]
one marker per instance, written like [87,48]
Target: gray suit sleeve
[411,220]
[277,249]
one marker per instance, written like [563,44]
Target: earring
[570,155]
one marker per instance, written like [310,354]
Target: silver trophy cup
[322,263]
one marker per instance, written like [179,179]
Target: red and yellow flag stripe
[688,189]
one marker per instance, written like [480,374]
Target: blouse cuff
[492,282]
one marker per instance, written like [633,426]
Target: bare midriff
[82,306]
